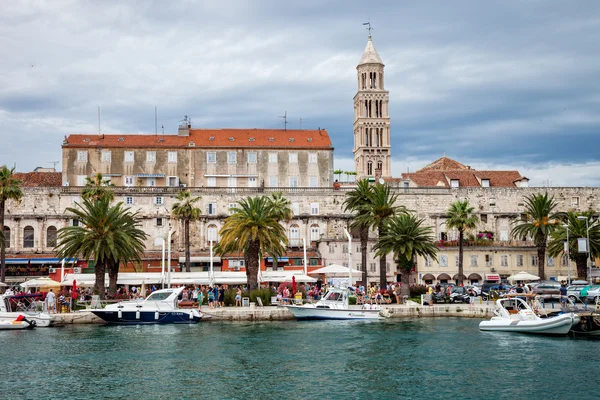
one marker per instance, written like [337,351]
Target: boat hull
[314,313]
[559,325]
[42,320]
[16,325]
[148,317]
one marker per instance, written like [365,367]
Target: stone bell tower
[372,147]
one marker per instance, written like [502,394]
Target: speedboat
[24,301]
[334,305]
[160,307]
[515,315]
[20,322]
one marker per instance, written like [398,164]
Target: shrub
[352,300]
[230,297]
[264,294]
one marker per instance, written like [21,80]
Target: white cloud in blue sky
[495,84]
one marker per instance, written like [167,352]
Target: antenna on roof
[98,120]
[163,128]
[54,164]
[302,119]
[155,122]
[285,121]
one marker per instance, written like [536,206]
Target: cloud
[509,83]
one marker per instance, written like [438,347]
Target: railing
[485,243]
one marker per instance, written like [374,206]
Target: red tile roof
[207,138]
[39,179]
[445,164]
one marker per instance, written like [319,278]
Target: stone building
[230,158]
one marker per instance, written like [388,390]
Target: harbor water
[418,358]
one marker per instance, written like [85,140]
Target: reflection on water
[417,358]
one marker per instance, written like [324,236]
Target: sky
[492,84]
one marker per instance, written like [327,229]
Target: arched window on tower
[381,108]
[374,80]
[366,108]
[377,109]
[371,136]
[367,137]
[377,144]
[28,235]
[369,168]
[380,167]
[381,80]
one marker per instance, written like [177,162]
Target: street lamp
[171,232]
[568,251]
[587,245]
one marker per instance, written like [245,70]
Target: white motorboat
[42,319]
[515,315]
[17,323]
[334,305]
[160,307]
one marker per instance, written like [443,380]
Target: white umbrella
[335,270]
[42,282]
[523,276]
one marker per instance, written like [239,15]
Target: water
[423,358]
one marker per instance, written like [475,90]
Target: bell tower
[372,147]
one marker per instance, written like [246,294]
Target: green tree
[539,222]
[109,235]
[375,213]
[282,211]
[9,190]
[406,237]
[357,201]
[577,230]
[460,216]
[252,229]
[97,188]
[339,173]
[185,210]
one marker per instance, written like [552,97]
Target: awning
[428,277]
[150,175]
[474,277]
[443,276]
[458,277]
[108,175]
[200,259]
[492,277]
[284,276]
[40,260]
[270,259]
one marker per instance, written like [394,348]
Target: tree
[406,238]
[9,190]
[357,200]
[186,211]
[97,188]
[577,230]
[252,229]
[375,213]
[460,216]
[109,235]
[282,211]
[339,173]
[539,221]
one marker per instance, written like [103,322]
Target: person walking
[238,297]
[563,295]
[200,297]
[222,296]
[51,302]
[211,297]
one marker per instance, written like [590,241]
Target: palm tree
[357,201]
[577,230]
[97,188]
[406,238]
[9,190]
[460,216]
[282,211]
[107,234]
[252,229]
[375,213]
[185,210]
[339,173]
[538,223]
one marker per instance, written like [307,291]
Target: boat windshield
[158,296]
[335,296]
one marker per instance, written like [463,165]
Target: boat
[160,307]
[20,322]
[334,306]
[25,304]
[513,314]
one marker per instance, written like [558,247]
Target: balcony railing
[485,243]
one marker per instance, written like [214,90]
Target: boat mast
[349,257]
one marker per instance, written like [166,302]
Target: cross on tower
[369,26]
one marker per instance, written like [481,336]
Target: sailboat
[334,305]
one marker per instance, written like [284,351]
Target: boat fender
[137,314]
[120,314]
[191,315]
[156,315]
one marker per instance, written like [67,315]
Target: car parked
[548,290]
[574,289]
[593,293]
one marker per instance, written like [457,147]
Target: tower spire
[369,27]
